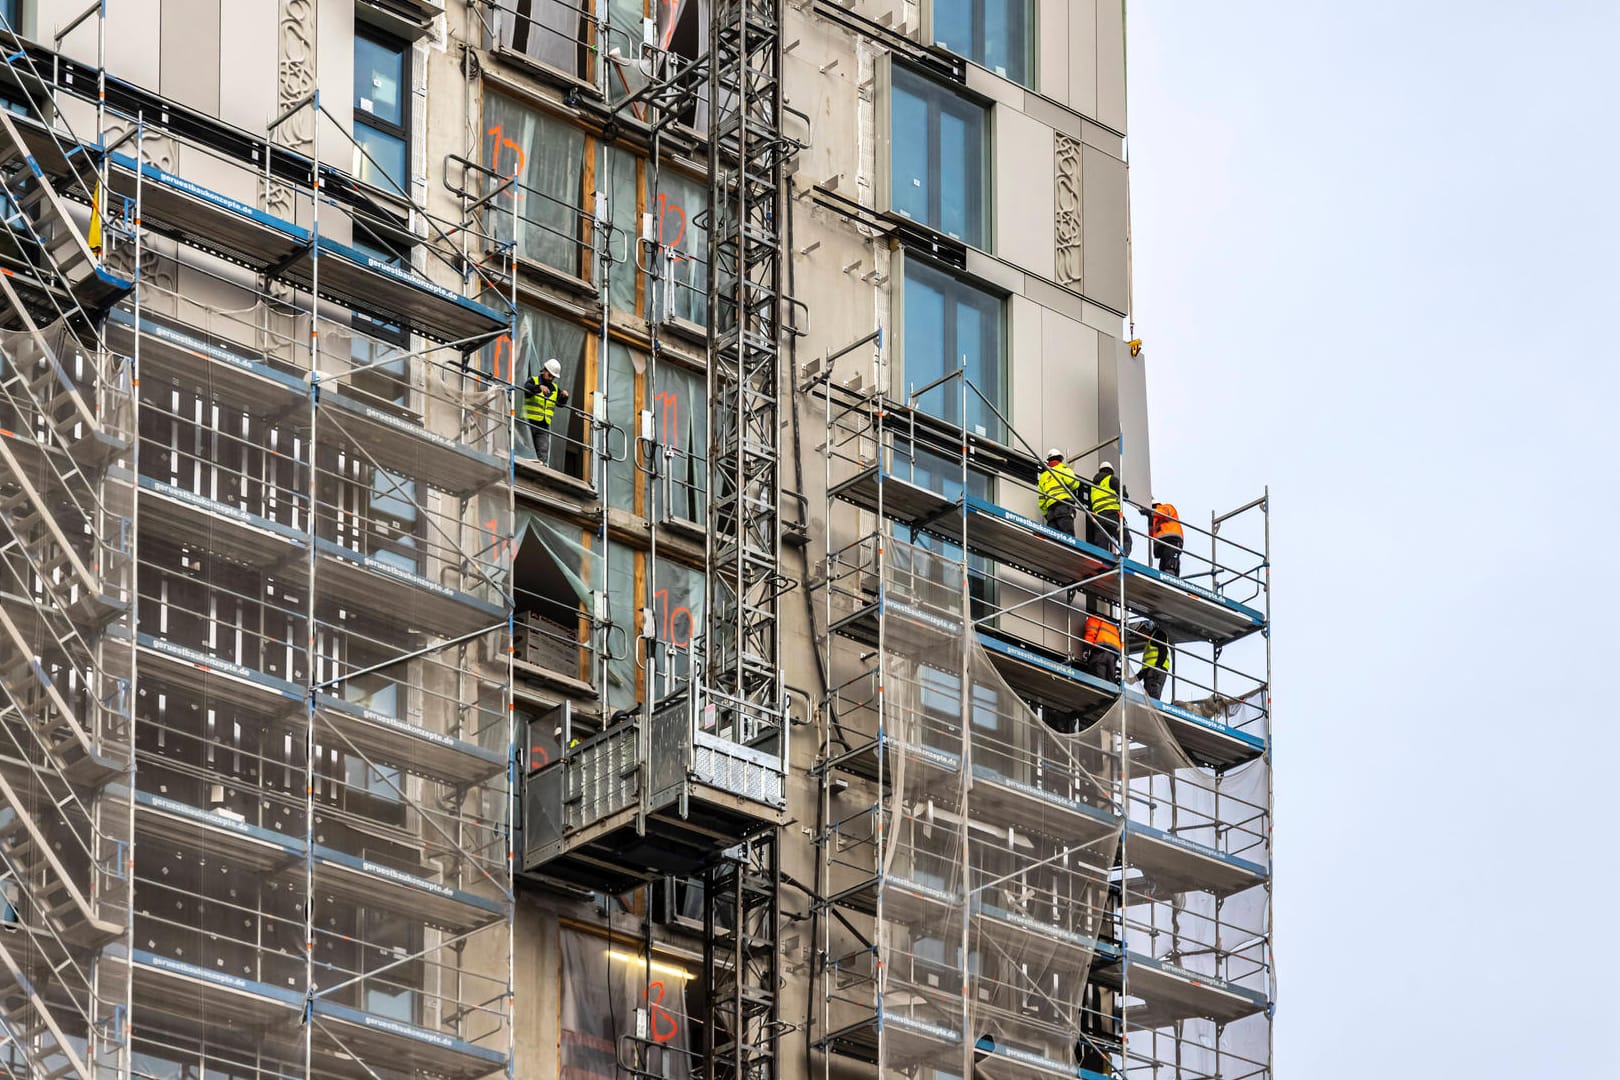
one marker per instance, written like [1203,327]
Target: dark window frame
[976,46]
[951,347]
[934,95]
[402,130]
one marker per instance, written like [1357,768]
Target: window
[624,605]
[624,370]
[951,325]
[683,30]
[11,15]
[938,474]
[939,169]
[381,110]
[681,426]
[381,353]
[679,593]
[543,337]
[617,174]
[542,212]
[554,32]
[677,208]
[997,34]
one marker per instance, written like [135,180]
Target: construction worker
[1155,659]
[541,395]
[1164,526]
[1100,654]
[1059,492]
[1104,518]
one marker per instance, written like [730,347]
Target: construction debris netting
[1001,833]
[1222,932]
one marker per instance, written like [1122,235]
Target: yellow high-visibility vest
[1058,483]
[539,402]
[1105,495]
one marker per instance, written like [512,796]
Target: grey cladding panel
[1122,408]
[1103,191]
[188,53]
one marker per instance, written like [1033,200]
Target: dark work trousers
[1060,516]
[1103,530]
[1168,552]
[1101,662]
[541,434]
[1153,681]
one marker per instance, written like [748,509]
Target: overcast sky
[1376,252]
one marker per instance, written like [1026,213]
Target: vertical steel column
[745,250]
[742,640]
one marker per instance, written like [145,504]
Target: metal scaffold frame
[1029,865]
[704,760]
[346,772]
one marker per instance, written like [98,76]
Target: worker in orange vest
[1101,651]
[1164,527]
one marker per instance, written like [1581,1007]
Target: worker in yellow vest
[1155,659]
[541,396]
[1105,525]
[1059,490]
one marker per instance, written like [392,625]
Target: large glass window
[995,33]
[11,15]
[381,110]
[952,325]
[939,168]
[542,212]
[380,349]
[938,474]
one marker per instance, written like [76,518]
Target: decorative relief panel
[295,81]
[1068,210]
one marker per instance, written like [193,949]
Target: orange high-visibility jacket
[1102,632]
[1165,521]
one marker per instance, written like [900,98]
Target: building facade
[744,719]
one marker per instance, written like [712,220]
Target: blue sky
[1376,261]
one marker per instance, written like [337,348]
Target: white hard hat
[1109,465]
[554,369]
[1053,453]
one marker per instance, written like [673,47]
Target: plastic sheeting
[681,418]
[1225,937]
[992,859]
[617,177]
[604,984]
[542,212]
[991,872]
[678,207]
[623,366]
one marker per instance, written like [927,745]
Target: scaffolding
[691,781]
[256,528]
[1030,864]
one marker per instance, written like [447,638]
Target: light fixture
[662,968]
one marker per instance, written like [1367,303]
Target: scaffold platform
[1163,993]
[1167,864]
[1187,610]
